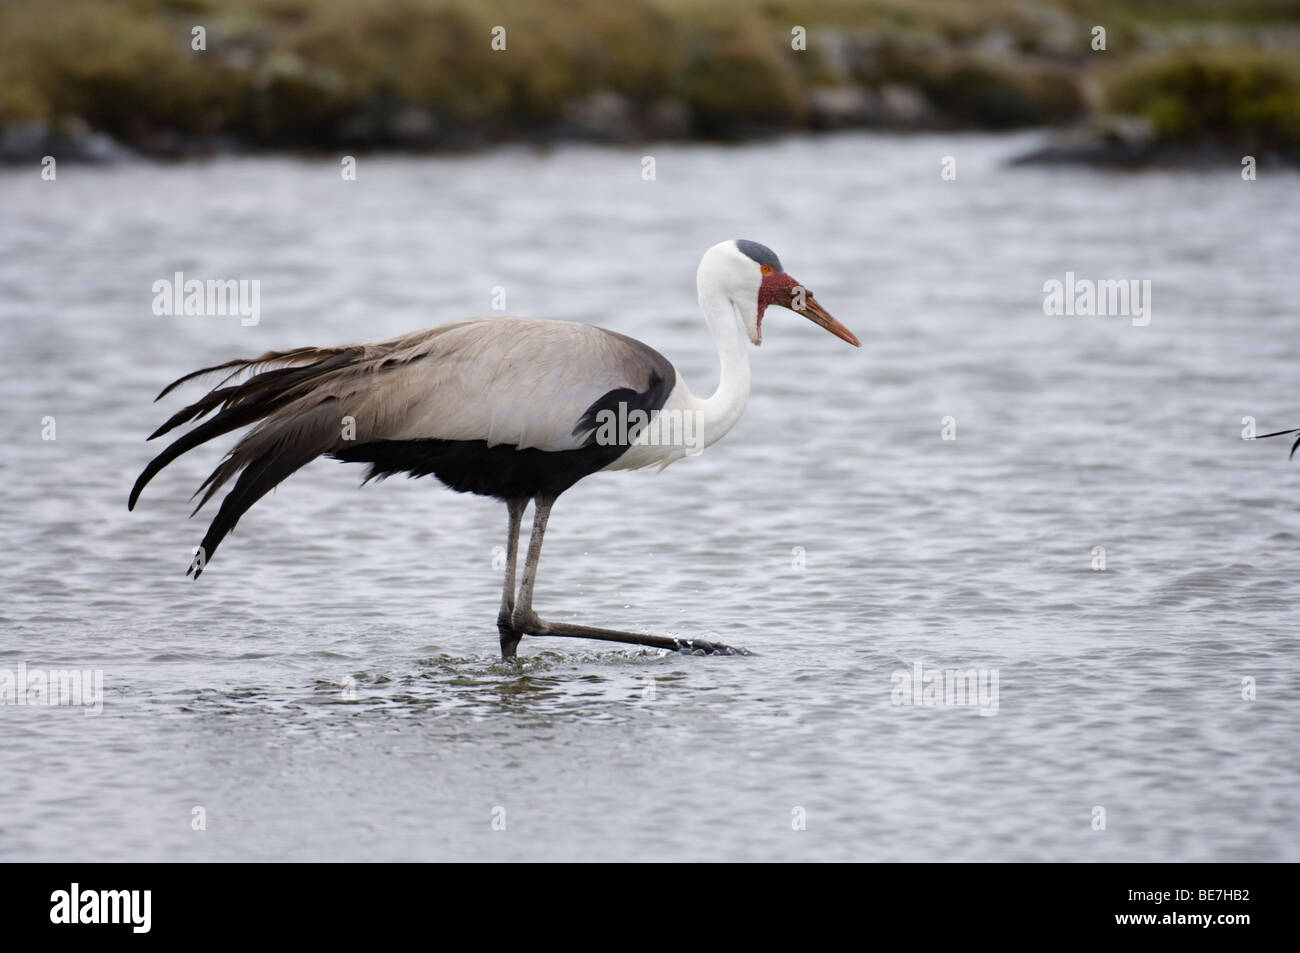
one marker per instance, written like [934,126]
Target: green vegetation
[1245,98]
[422,73]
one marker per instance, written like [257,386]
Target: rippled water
[330,688]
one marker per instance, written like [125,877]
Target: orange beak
[819,316]
[782,290]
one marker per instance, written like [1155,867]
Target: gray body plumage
[511,399]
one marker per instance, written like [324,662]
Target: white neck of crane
[725,407]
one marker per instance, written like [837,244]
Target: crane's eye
[767,269]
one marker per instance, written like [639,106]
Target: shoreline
[102,82]
[1077,146]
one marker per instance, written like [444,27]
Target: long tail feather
[267,457]
[241,405]
[239,365]
[1282,433]
[280,444]
[295,404]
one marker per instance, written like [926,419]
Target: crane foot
[532,625]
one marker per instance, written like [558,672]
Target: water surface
[330,688]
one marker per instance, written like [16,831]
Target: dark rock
[70,140]
[667,119]
[838,107]
[414,128]
[904,106]
[1112,141]
[601,116]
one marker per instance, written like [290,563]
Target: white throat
[721,411]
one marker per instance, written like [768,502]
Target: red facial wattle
[780,289]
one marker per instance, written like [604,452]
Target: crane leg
[524,621]
[505,625]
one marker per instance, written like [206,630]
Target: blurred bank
[1174,82]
